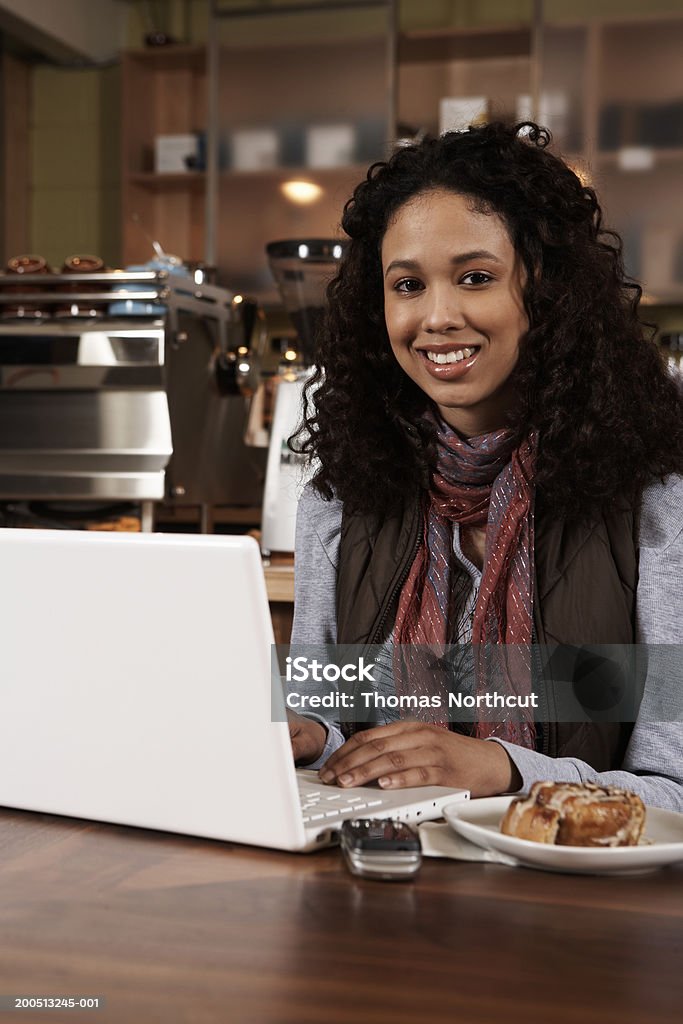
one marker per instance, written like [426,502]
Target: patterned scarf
[478,481]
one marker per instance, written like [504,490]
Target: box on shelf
[457,113]
[554,110]
[330,145]
[171,153]
[254,149]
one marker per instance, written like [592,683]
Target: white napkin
[439,840]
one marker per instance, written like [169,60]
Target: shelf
[283,173]
[156,182]
[196,180]
[463,44]
[171,58]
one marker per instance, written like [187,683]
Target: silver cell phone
[381,848]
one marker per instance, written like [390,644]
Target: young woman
[499,462]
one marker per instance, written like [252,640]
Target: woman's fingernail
[325,775]
[345,779]
[384,781]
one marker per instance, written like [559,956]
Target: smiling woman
[499,466]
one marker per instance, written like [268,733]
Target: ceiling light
[302,192]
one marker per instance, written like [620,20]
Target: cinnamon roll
[573,814]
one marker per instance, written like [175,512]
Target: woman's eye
[407,285]
[476,277]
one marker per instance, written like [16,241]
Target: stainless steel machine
[126,387]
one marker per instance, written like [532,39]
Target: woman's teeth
[450,357]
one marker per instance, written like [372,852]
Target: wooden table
[279,574]
[174,929]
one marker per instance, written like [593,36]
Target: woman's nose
[442,311]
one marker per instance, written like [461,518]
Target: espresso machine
[302,269]
[125,387]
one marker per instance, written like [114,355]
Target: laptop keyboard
[325,804]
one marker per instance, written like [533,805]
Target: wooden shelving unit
[623,76]
[589,70]
[164,93]
[592,63]
[432,64]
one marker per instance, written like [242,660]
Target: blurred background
[106,136]
[133,131]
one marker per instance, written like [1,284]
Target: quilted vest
[584,594]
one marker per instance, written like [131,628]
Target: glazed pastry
[573,814]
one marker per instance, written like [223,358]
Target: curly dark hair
[589,378]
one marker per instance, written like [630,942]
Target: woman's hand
[308,738]
[418,754]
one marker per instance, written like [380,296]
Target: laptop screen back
[135,685]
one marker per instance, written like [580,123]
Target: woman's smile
[448,362]
[453,306]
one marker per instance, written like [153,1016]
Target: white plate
[479,822]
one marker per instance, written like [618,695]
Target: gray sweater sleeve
[653,764]
[318,530]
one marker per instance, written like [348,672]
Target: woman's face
[453,306]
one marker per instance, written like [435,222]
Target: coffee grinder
[302,269]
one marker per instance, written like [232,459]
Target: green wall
[75,153]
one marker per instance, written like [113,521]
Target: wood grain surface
[173,929]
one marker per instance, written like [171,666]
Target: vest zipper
[377,632]
[396,590]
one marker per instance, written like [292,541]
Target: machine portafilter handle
[250,316]
[225,373]
[238,370]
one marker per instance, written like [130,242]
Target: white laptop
[135,689]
